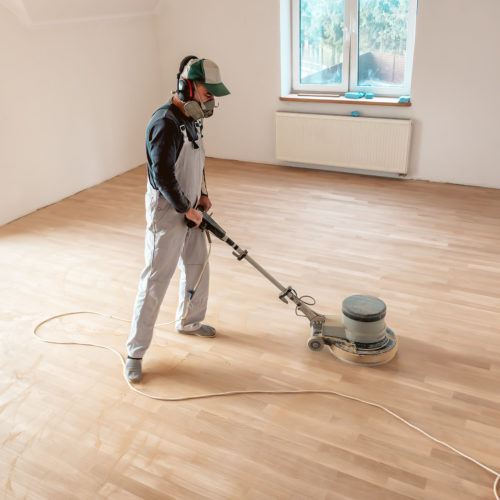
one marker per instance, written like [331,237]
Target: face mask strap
[202,104]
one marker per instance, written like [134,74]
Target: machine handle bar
[209,224]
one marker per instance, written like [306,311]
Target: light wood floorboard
[71,428]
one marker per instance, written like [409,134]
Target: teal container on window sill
[354,95]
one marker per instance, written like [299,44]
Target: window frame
[350,56]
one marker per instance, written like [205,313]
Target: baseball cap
[208,73]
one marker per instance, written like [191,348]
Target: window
[353,45]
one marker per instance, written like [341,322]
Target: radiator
[378,144]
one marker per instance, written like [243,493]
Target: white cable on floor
[256,391]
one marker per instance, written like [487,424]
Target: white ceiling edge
[76,20]
[18,7]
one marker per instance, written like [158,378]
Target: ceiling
[41,12]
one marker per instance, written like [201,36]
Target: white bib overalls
[169,242]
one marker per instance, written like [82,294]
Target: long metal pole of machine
[211,226]
[261,270]
[286,292]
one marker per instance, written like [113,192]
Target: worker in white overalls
[176,187]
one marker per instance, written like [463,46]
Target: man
[176,186]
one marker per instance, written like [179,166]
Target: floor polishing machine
[359,336]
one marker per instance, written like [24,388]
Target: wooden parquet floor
[71,429]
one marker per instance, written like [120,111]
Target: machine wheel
[315,344]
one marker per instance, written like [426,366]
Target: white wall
[74,102]
[457,104]
[455,99]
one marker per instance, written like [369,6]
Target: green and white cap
[208,73]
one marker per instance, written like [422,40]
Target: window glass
[321,41]
[382,39]
[352,45]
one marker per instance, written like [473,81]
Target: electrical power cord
[255,391]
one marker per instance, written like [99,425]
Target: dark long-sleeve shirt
[164,141]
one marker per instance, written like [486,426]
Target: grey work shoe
[133,370]
[201,331]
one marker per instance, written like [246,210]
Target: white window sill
[340,99]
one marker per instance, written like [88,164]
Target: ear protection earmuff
[185,87]
[185,90]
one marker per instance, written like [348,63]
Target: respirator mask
[199,110]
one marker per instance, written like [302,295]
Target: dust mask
[198,110]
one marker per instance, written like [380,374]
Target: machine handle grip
[189,222]
[209,224]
